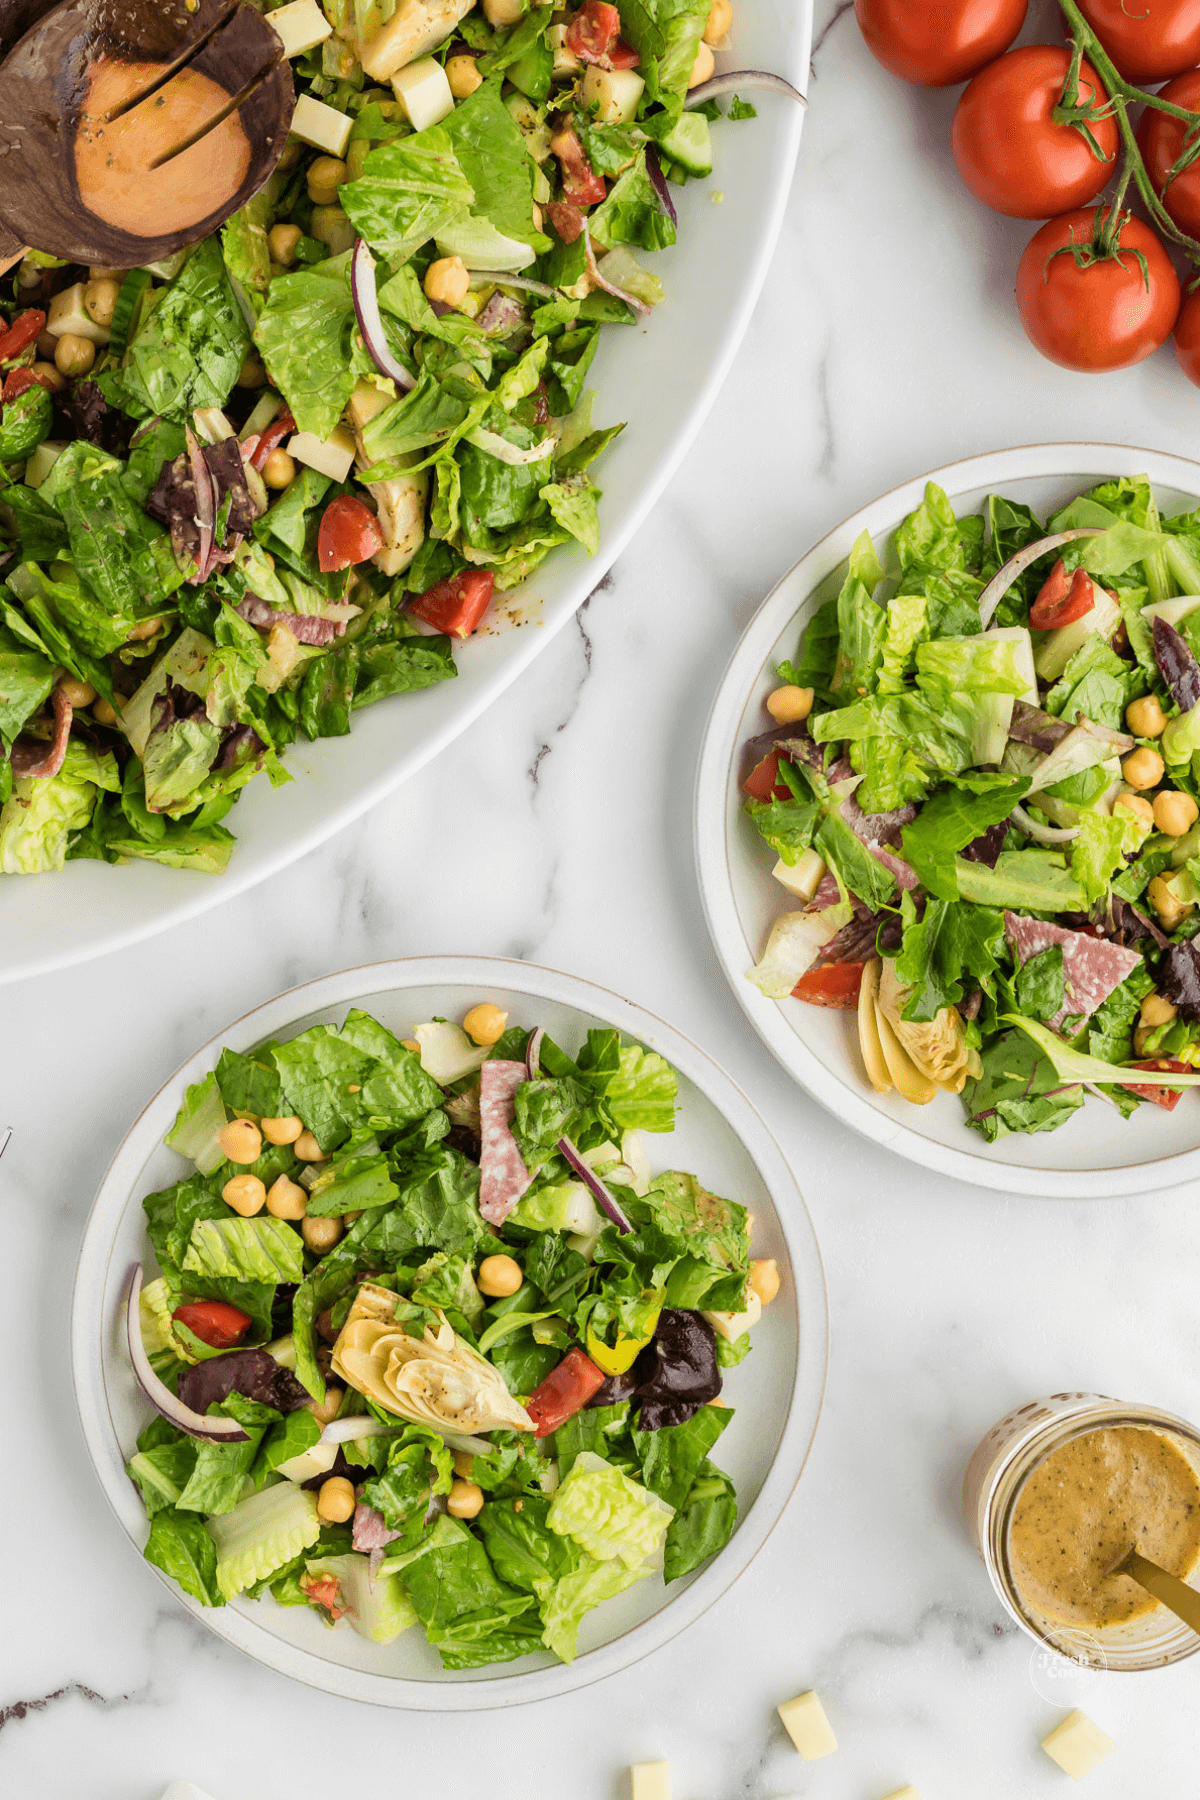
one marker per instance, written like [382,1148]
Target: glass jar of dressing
[1054,1496]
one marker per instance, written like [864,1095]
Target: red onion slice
[742,78]
[1016,565]
[41,762]
[1042,834]
[533,1054]
[517,281]
[347,1431]
[370,320]
[659,183]
[217,1431]
[206,506]
[639,306]
[604,1200]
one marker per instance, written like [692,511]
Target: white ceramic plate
[661,379]
[1097,1152]
[777,1390]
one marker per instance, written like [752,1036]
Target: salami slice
[504,1176]
[1092,967]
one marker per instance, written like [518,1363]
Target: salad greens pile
[605,1355]
[990,817]
[171,621]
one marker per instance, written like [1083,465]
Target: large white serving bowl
[661,377]
[1097,1153]
[777,1391]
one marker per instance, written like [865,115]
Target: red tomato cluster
[1096,288]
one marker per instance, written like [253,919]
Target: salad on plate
[980,789]
[252,489]
[430,1343]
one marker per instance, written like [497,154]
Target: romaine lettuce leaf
[256,1249]
[180,1545]
[1104,843]
[305,336]
[190,348]
[641,1096]
[1026,880]
[26,679]
[495,164]
[704,1523]
[469,1616]
[632,213]
[954,817]
[261,1534]
[408,188]
[666,35]
[574,1595]
[418,1466]
[378,1607]
[950,941]
[37,820]
[608,1515]
[671,1457]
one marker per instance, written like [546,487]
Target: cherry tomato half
[593,30]
[214,1322]
[1007,147]
[25,329]
[565,1391]
[349,534]
[1160,139]
[1167,1098]
[19,381]
[938,46]
[280,427]
[835,984]
[1063,599]
[1105,315]
[1149,40]
[581,184]
[1187,338]
[456,605]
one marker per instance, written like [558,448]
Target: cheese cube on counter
[302,26]
[904,1793]
[332,456]
[423,90]
[1078,1745]
[805,1723]
[651,1781]
[185,1790]
[324,127]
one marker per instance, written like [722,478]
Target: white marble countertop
[559,830]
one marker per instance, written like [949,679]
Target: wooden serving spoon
[1174,1594]
[130,129]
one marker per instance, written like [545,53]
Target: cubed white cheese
[802,877]
[414,29]
[424,92]
[805,1723]
[904,1793]
[732,1326]
[324,127]
[447,1053]
[332,456]
[67,314]
[1078,1745]
[365,402]
[302,26]
[651,1781]
[565,60]
[185,1790]
[614,92]
[41,462]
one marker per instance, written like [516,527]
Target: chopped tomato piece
[565,1391]
[214,1322]
[593,30]
[623,55]
[326,1591]
[581,184]
[19,381]
[280,427]
[1063,599]
[349,534]
[457,604]
[762,783]
[1167,1098]
[26,329]
[566,219]
[834,984]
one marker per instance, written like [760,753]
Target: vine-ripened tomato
[1160,139]
[1106,315]
[1149,40]
[1009,150]
[938,46]
[215,1322]
[833,984]
[1187,338]
[349,534]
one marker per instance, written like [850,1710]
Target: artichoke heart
[939,1049]
[436,1380]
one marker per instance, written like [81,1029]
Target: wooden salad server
[130,129]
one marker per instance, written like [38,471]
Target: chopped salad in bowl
[247,492]
[431,1344]
[980,789]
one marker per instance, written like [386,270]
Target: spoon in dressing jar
[1169,1590]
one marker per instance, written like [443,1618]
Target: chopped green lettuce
[261,1534]
[181,1545]
[608,1515]
[257,1249]
[378,1607]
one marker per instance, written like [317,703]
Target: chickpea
[246,1194]
[241,1140]
[49,377]
[308,1149]
[77,693]
[1143,768]
[463,76]
[103,713]
[282,241]
[326,172]
[47,344]
[465,1500]
[281,1131]
[336,1502]
[411,1045]
[764,1279]
[145,630]
[500,14]
[1156,1010]
[291,154]
[1136,804]
[74,355]
[279,470]
[720,18]
[1169,909]
[464,1464]
[1174,813]
[499,1276]
[286,1199]
[447,280]
[789,705]
[326,1411]
[252,374]
[100,298]
[320,1234]
[1145,717]
[485,1024]
[703,66]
